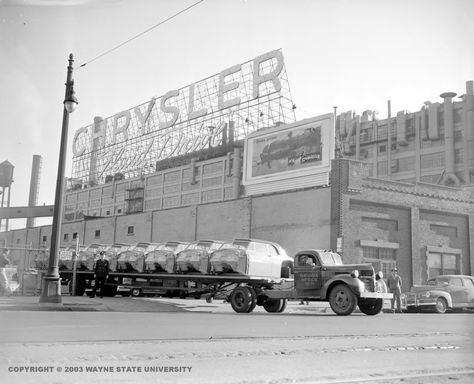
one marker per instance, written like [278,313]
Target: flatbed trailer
[189,284]
[344,286]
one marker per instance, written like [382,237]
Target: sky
[353,54]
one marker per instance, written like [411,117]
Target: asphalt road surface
[225,347]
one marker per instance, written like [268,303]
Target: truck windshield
[330,258]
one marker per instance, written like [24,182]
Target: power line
[140,34]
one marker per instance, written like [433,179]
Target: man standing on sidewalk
[4,261]
[101,272]
[394,283]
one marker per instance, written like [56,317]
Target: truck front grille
[369,283]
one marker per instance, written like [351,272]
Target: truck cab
[321,275]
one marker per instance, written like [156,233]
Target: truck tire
[342,300]
[371,307]
[274,305]
[241,299]
[136,292]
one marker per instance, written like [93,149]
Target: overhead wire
[140,34]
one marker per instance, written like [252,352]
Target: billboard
[297,154]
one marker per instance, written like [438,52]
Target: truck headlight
[427,294]
[355,273]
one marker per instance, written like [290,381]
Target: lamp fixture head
[70,103]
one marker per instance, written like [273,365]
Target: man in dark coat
[394,283]
[101,272]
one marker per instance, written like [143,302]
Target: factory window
[458,136]
[406,164]
[107,212]
[382,259]
[433,160]
[382,149]
[45,239]
[74,236]
[131,230]
[441,263]
[97,233]
[382,167]
[66,237]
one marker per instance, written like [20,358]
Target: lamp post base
[51,290]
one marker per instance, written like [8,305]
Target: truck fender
[444,295]
[353,283]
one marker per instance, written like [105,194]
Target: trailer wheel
[136,292]
[371,307]
[284,302]
[80,287]
[274,305]
[253,304]
[342,300]
[241,299]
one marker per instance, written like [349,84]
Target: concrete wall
[224,221]
[299,220]
[174,224]
[141,223]
[106,228]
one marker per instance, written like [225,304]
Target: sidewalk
[85,304]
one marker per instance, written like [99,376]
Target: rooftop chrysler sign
[184,120]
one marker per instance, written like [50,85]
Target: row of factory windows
[130,231]
[437,263]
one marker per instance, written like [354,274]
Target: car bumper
[123,289]
[420,301]
[376,295]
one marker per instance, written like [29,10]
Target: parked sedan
[441,293]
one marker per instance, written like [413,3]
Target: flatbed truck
[325,278]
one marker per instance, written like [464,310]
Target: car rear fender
[353,283]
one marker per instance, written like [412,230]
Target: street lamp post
[51,284]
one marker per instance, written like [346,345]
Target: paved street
[192,341]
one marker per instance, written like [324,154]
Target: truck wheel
[136,292]
[241,299]
[274,305]
[441,305]
[342,300]
[371,306]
